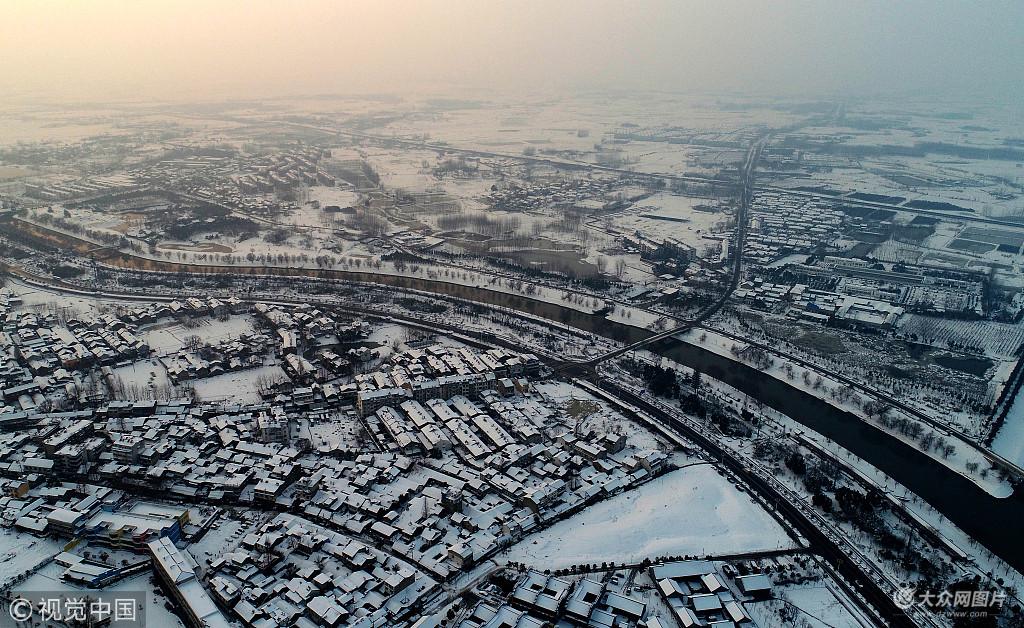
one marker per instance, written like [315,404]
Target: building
[126,449]
[268,489]
[177,574]
[134,529]
[540,595]
[584,599]
[273,426]
[369,401]
[66,523]
[758,586]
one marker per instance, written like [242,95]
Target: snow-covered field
[688,511]
[168,338]
[333,196]
[23,552]
[815,603]
[143,375]
[677,220]
[236,387]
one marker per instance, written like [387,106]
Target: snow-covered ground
[1009,442]
[169,337]
[666,215]
[236,387]
[688,511]
[338,433]
[143,375]
[21,552]
[816,603]
[156,613]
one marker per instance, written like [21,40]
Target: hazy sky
[214,48]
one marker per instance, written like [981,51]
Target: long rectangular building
[178,575]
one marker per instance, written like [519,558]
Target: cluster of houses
[42,346]
[700,595]
[78,188]
[440,372]
[46,360]
[582,192]
[217,453]
[304,331]
[540,600]
[917,287]
[783,224]
[449,516]
[285,171]
[666,249]
[822,306]
[233,354]
[676,264]
[469,460]
[194,306]
[293,572]
[43,360]
[695,592]
[497,479]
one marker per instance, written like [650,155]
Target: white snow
[1009,442]
[238,387]
[815,603]
[21,552]
[688,511]
[164,337]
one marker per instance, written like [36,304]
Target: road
[739,237]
